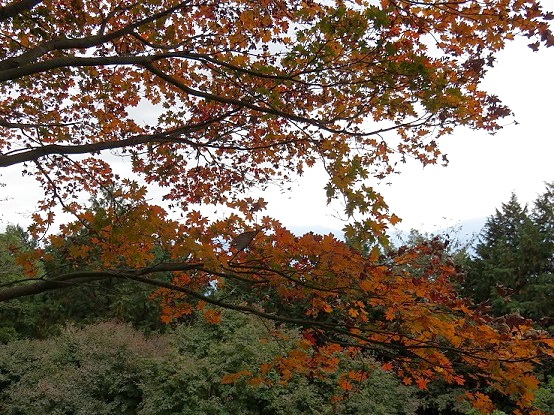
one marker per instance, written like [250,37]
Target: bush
[544,397]
[95,370]
[110,368]
[190,383]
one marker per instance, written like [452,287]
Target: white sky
[482,173]
[483,170]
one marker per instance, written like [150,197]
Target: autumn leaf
[211,102]
[241,241]
[212,316]
[233,377]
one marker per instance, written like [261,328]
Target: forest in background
[137,120]
[102,348]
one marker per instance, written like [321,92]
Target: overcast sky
[483,170]
[482,173]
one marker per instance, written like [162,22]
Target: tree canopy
[109,368]
[209,100]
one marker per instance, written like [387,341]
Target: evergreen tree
[513,263]
[22,317]
[543,217]
[107,299]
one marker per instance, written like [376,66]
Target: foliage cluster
[246,94]
[109,368]
[201,367]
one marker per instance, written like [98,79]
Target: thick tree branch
[83,277]
[340,329]
[71,279]
[75,61]
[16,7]
[170,136]
[64,43]
[38,152]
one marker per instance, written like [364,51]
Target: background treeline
[102,349]
[512,269]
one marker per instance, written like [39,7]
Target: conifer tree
[512,268]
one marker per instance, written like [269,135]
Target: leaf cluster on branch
[246,94]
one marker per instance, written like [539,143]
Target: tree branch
[25,155]
[63,43]
[341,329]
[16,7]
[74,61]
[71,279]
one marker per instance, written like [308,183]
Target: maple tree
[247,94]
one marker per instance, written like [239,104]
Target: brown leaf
[243,240]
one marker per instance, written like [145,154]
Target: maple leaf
[243,96]
[242,241]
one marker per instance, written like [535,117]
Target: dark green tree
[24,316]
[543,217]
[110,298]
[111,368]
[512,270]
